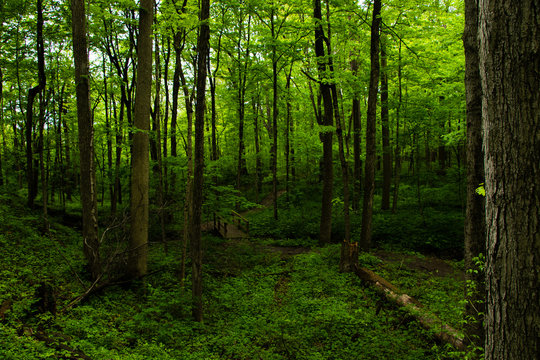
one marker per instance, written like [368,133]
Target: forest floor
[265,298]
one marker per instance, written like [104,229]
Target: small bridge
[234,226]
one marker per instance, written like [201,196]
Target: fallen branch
[442,332]
[96,287]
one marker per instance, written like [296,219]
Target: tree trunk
[397,164]
[509,68]
[189,178]
[242,81]
[196,246]
[212,80]
[274,116]
[325,234]
[137,262]
[157,129]
[2,122]
[166,116]
[357,129]
[175,90]
[387,154]
[367,212]
[258,162]
[86,139]
[475,221]
[31,174]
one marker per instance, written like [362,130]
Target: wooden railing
[221,222]
[241,222]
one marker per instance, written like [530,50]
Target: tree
[367,208]
[31,174]
[509,68]
[86,138]
[197,192]
[325,233]
[385,133]
[475,228]
[137,263]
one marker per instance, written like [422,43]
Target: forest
[285,179]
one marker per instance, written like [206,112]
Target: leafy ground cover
[265,298]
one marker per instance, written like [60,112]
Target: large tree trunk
[197,193]
[510,68]
[475,222]
[367,213]
[86,139]
[137,263]
[325,234]
[387,155]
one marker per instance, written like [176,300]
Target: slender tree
[509,68]
[86,138]
[387,155]
[31,174]
[197,193]
[357,129]
[137,263]
[367,208]
[325,234]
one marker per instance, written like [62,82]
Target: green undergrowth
[440,291]
[432,225]
[260,303]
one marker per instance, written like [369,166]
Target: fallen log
[441,332]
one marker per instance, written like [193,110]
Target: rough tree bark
[475,222]
[196,246]
[509,69]
[86,139]
[367,212]
[137,262]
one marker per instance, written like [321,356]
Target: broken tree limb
[441,332]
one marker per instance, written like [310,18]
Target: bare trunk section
[325,234]
[86,139]
[242,81]
[357,129]
[274,116]
[387,152]
[195,233]
[367,213]
[475,221]
[137,262]
[31,174]
[509,68]
[397,155]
